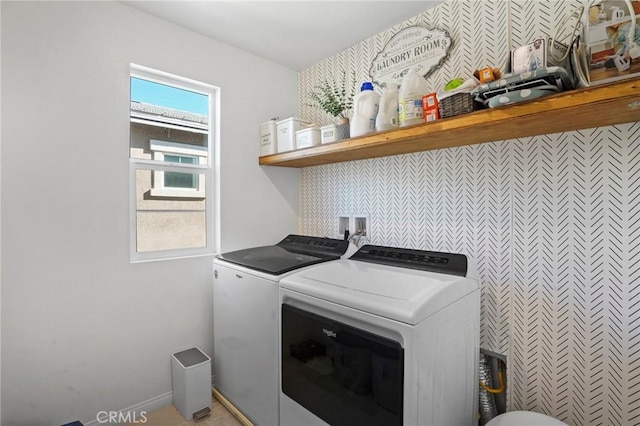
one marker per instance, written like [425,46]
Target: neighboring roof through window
[161,116]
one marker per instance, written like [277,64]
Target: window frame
[208,170]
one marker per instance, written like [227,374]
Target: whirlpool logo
[329,333]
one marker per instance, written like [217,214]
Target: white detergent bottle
[412,89]
[387,118]
[365,109]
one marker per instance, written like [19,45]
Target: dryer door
[343,375]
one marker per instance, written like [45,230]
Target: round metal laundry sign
[420,48]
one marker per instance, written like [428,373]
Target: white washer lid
[401,294]
[524,418]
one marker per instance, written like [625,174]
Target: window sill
[171,257]
[177,193]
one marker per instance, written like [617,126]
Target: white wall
[550,222]
[0,219]
[83,329]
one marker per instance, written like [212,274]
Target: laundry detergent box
[430,107]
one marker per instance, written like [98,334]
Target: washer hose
[488,408]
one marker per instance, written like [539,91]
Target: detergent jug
[387,117]
[365,109]
[412,89]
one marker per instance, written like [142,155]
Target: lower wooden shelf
[613,103]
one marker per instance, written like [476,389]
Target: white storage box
[334,132]
[307,137]
[287,129]
[191,377]
[268,136]
[328,133]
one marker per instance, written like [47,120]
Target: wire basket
[460,103]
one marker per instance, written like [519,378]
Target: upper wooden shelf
[603,105]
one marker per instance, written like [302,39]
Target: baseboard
[147,406]
[165,399]
[231,408]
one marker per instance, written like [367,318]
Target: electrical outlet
[344,224]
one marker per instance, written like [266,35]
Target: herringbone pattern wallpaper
[551,222]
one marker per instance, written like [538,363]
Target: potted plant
[336,100]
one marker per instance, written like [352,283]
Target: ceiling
[296,34]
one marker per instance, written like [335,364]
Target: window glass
[169,151]
[168,223]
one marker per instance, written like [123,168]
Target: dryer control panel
[432,261]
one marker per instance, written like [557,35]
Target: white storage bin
[307,137]
[268,144]
[328,133]
[191,377]
[334,132]
[287,129]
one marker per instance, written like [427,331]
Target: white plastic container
[308,137]
[286,130]
[387,118]
[365,109]
[412,89]
[268,134]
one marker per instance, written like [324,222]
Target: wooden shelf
[603,105]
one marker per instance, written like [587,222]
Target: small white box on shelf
[329,133]
[334,132]
[268,144]
[307,137]
[287,129]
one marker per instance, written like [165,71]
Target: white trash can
[191,377]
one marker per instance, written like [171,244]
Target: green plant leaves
[334,100]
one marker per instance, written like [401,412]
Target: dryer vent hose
[488,408]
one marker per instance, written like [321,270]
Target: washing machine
[389,336]
[245,315]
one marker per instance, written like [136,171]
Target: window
[174,184]
[179,180]
[170,153]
